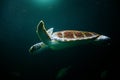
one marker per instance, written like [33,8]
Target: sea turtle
[63,39]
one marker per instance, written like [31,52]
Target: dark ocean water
[18,21]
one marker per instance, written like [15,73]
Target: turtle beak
[32,49]
[102,38]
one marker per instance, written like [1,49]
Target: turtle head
[36,47]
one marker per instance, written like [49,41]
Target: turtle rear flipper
[42,33]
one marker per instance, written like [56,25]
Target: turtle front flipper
[50,31]
[42,33]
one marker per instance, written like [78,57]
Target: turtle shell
[73,35]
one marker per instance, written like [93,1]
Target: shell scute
[78,34]
[88,34]
[72,35]
[68,34]
[59,35]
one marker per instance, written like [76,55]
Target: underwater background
[18,21]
